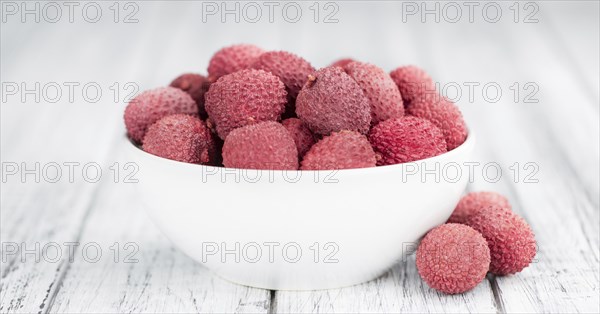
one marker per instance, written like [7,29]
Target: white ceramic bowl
[299,230]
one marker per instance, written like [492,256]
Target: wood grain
[562,208]
[560,134]
[148,274]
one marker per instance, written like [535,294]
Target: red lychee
[473,202]
[444,114]
[341,62]
[340,150]
[332,101]
[290,68]
[406,139]
[151,105]
[302,136]
[266,145]
[453,258]
[196,85]
[413,82]
[383,94]
[180,137]
[243,98]
[509,237]
[231,59]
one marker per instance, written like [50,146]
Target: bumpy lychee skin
[243,98]
[453,258]
[151,105]
[332,101]
[290,68]
[340,150]
[406,139]
[181,137]
[383,94]
[475,201]
[231,59]
[302,135]
[444,114]
[266,145]
[413,82]
[510,238]
[196,85]
[342,62]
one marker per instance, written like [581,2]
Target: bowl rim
[465,146]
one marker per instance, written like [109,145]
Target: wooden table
[545,140]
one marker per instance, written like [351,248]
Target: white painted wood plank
[41,213]
[95,130]
[560,135]
[564,277]
[576,48]
[162,280]
[399,291]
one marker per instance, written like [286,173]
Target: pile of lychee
[482,235]
[273,110]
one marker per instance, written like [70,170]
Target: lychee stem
[311,79]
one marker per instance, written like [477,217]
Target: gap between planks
[64,268]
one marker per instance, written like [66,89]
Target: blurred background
[524,73]
[538,57]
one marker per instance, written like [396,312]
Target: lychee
[290,68]
[302,135]
[231,59]
[340,150]
[180,137]
[342,62]
[444,114]
[196,85]
[243,98]
[473,202]
[332,101]
[413,82]
[266,145]
[383,94]
[509,237]
[151,105]
[406,139]
[453,258]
